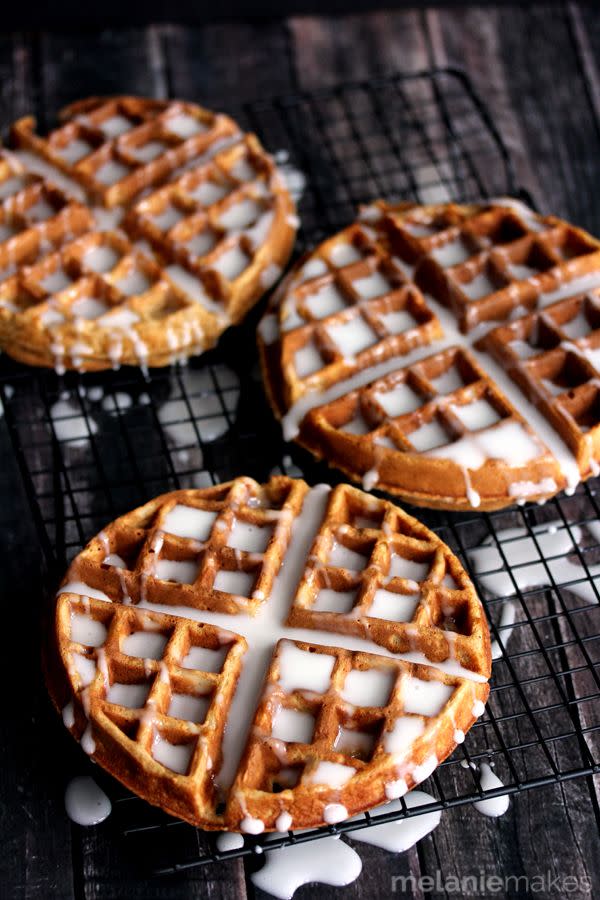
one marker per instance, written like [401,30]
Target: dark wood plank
[224,65]
[577,628]
[532,840]
[585,28]
[564,144]
[71,66]
[524,63]
[331,50]
[105,855]
[35,835]
[16,88]
[34,831]
[470,39]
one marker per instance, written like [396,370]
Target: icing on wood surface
[85,802]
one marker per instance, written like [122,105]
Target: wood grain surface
[537,67]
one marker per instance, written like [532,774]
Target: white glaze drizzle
[527,566]
[506,623]
[402,834]
[327,860]
[492,806]
[85,802]
[229,840]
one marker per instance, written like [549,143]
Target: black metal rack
[92,447]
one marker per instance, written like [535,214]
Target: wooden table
[537,69]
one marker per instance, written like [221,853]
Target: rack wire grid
[92,447]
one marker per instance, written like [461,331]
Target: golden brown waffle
[374,354]
[554,357]
[116,147]
[92,276]
[349,745]
[128,722]
[257,657]
[147,539]
[367,560]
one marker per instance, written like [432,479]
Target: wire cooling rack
[92,447]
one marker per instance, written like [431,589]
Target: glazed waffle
[135,233]
[554,356]
[376,354]
[174,554]
[257,657]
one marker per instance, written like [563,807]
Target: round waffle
[382,353]
[135,233]
[268,657]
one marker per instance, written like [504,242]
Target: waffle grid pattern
[134,687]
[168,703]
[190,550]
[433,436]
[423,407]
[104,269]
[373,572]
[335,729]
[350,305]
[113,148]
[34,218]
[485,265]
[554,356]
[200,250]
[214,219]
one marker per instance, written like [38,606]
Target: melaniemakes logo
[484,884]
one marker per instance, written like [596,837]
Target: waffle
[382,353]
[135,233]
[253,657]
[554,356]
